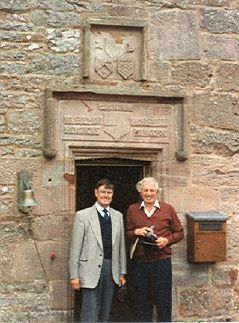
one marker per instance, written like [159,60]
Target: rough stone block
[56,19]
[229,202]
[217,111]
[217,142]
[54,259]
[220,21]
[16,5]
[227,77]
[10,167]
[221,47]
[211,171]
[192,74]
[27,122]
[221,275]
[10,231]
[194,199]
[233,239]
[205,302]
[51,227]
[50,201]
[61,293]
[159,71]
[64,41]
[191,275]
[27,264]
[174,36]
[54,65]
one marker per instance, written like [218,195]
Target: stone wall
[190,47]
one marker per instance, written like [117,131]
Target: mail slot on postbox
[206,236]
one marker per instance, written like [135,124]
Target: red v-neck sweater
[166,224]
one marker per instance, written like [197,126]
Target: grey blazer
[86,254]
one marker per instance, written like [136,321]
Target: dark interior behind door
[124,174]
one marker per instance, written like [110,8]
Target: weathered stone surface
[2,124]
[198,199]
[190,4]
[60,293]
[170,39]
[64,41]
[210,141]
[220,21]
[191,275]
[192,74]
[24,122]
[10,167]
[55,19]
[233,238]
[28,153]
[201,302]
[217,111]
[54,257]
[27,264]
[221,275]
[51,227]
[17,22]
[17,100]
[221,47]
[15,5]
[4,151]
[21,142]
[159,72]
[227,77]
[138,10]
[10,231]
[56,5]
[229,203]
[210,171]
[28,301]
[54,64]
[6,207]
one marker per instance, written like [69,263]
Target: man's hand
[75,283]
[122,281]
[161,242]
[142,231]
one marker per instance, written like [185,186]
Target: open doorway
[124,174]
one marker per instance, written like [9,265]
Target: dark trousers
[96,302]
[153,285]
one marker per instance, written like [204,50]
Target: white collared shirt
[147,212]
[100,209]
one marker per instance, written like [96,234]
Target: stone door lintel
[51,126]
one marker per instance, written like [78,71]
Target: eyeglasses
[105,192]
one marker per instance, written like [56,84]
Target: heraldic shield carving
[103,67]
[115,53]
[125,68]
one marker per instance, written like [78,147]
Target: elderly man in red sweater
[152,227]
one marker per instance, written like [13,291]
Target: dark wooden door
[124,174]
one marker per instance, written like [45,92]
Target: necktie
[106,215]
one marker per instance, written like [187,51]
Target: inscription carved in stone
[114,121]
[161,133]
[90,120]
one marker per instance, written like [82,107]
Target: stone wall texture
[190,47]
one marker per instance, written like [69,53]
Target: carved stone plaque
[87,119]
[113,52]
[132,122]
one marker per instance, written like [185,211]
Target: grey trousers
[96,302]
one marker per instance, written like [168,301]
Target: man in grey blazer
[97,257]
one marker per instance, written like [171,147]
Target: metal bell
[28,199]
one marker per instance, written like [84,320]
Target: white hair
[147,180]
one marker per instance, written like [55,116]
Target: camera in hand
[150,237]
